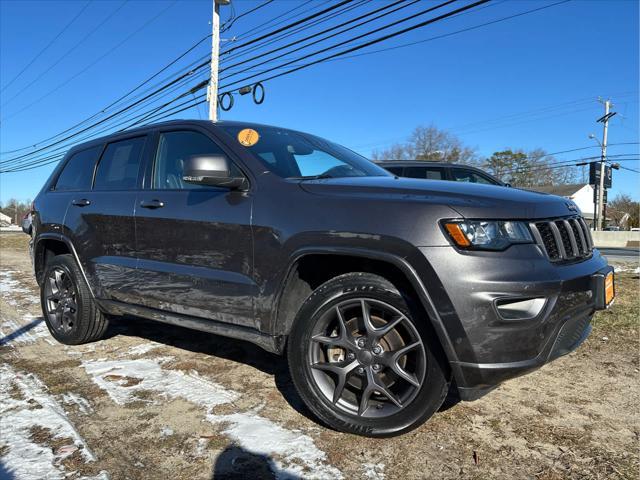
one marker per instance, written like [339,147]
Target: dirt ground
[153,401]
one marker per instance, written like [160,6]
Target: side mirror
[507,185]
[213,170]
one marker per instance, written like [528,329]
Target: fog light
[519,309]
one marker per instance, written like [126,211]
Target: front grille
[563,239]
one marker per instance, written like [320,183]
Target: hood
[470,200]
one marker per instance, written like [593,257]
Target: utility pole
[212,91]
[603,159]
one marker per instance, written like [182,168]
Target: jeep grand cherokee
[383,292]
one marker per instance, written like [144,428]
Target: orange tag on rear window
[248,137]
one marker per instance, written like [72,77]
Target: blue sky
[532,81]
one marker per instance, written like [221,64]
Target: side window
[120,165]
[464,175]
[395,170]
[78,171]
[173,149]
[430,173]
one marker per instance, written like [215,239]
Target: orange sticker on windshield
[248,137]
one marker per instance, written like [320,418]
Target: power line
[131,114]
[101,121]
[395,47]
[122,97]
[94,62]
[68,52]
[265,25]
[286,27]
[64,29]
[146,81]
[143,116]
[57,158]
[226,27]
[297,42]
[305,26]
[364,45]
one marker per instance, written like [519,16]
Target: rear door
[194,242]
[100,220]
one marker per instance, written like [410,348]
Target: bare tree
[429,144]
[528,169]
[624,211]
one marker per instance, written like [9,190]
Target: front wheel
[364,361]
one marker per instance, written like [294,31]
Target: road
[621,254]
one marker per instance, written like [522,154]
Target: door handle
[83,202]
[151,204]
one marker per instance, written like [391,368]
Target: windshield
[291,154]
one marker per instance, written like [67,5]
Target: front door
[100,221]
[194,243]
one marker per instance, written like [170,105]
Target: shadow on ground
[237,463]
[24,330]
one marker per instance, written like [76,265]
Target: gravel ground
[154,401]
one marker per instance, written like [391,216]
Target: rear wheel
[70,312]
[363,360]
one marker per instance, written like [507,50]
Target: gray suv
[384,293]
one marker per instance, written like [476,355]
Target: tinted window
[430,173]
[464,175]
[119,166]
[173,149]
[294,154]
[395,170]
[78,172]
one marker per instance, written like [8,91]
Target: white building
[581,194]
[5,220]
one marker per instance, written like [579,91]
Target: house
[580,193]
[5,220]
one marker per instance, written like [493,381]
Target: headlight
[487,234]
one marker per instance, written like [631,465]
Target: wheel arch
[293,292]
[48,245]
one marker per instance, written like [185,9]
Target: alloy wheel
[367,358]
[61,300]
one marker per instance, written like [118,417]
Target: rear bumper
[491,347]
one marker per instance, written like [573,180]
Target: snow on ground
[294,453]
[374,471]
[140,349]
[122,379]
[9,287]
[82,403]
[627,268]
[25,404]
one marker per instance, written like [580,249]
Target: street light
[593,137]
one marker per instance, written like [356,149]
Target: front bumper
[490,348]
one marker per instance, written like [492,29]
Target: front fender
[416,269]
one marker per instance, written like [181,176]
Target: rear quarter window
[78,171]
[119,167]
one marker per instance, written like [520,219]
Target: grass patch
[14,241]
[624,314]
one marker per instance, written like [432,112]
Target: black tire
[428,395]
[88,322]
